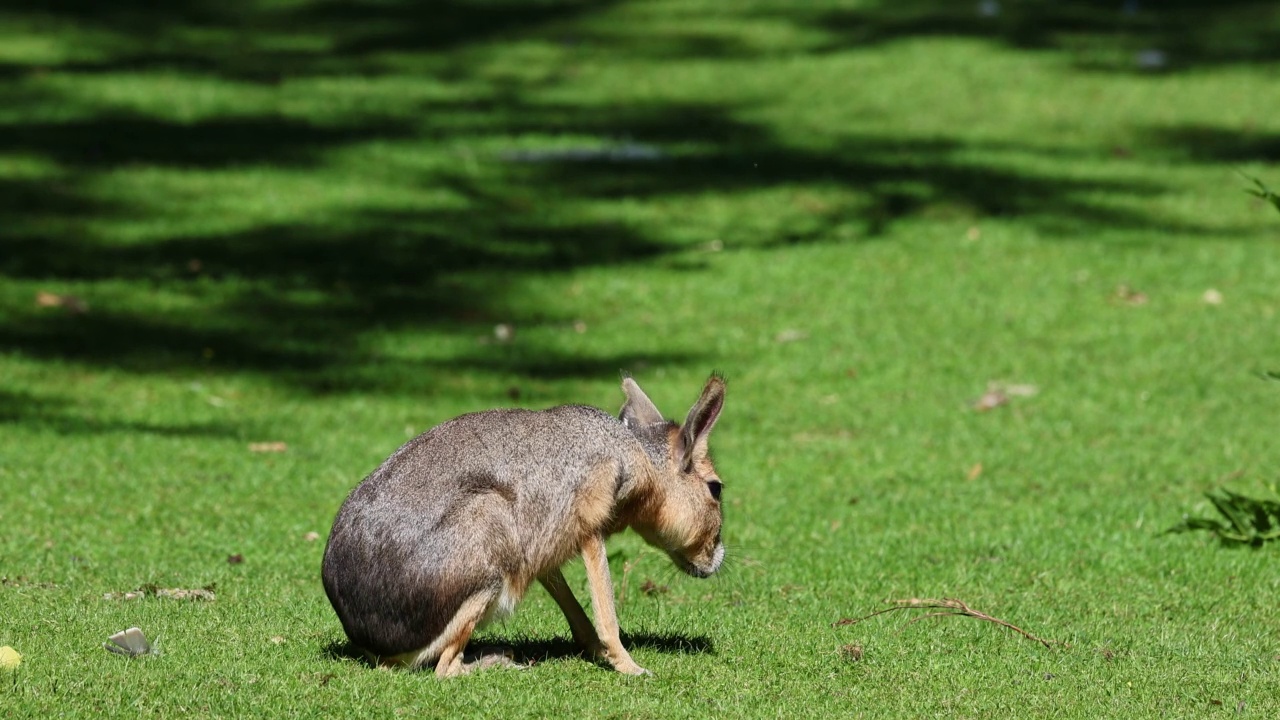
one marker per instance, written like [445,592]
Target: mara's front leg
[597,563]
[583,633]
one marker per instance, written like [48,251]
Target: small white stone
[1151,59]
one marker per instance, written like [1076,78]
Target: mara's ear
[638,410]
[702,417]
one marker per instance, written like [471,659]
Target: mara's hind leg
[446,651]
[454,639]
[452,659]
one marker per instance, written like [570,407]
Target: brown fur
[451,530]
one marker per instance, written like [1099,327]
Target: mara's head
[680,514]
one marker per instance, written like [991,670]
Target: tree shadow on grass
[295,301]
[1102,35]
[335,37]
[1211,144]
[60,416]
[303,300]
[117,139]
[532,651]
[298,296]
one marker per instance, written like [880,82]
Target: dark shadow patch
[364,28]
[60,416]
[532,651]
[1105,35]
[670,643]
[1210,144]
[25,202]
[295,300]
[344,651]
[17,406]
[340,37]
[113,140]
[887,178]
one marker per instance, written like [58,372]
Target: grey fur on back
[477,499]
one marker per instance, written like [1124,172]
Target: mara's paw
[627,666]
[633,669]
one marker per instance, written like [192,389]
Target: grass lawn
[301,221]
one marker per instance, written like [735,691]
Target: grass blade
[1249,521]
[1262,191]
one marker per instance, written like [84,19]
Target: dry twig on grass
[949,606]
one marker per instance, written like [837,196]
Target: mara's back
[487,499]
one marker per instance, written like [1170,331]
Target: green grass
[300,221]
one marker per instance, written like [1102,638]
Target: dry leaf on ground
[70,303]
[1129,296]
[853,652]
[999,392]
[186,594]
[205,593]
[649,587]
[990,400]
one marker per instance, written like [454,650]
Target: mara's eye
[714,487]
